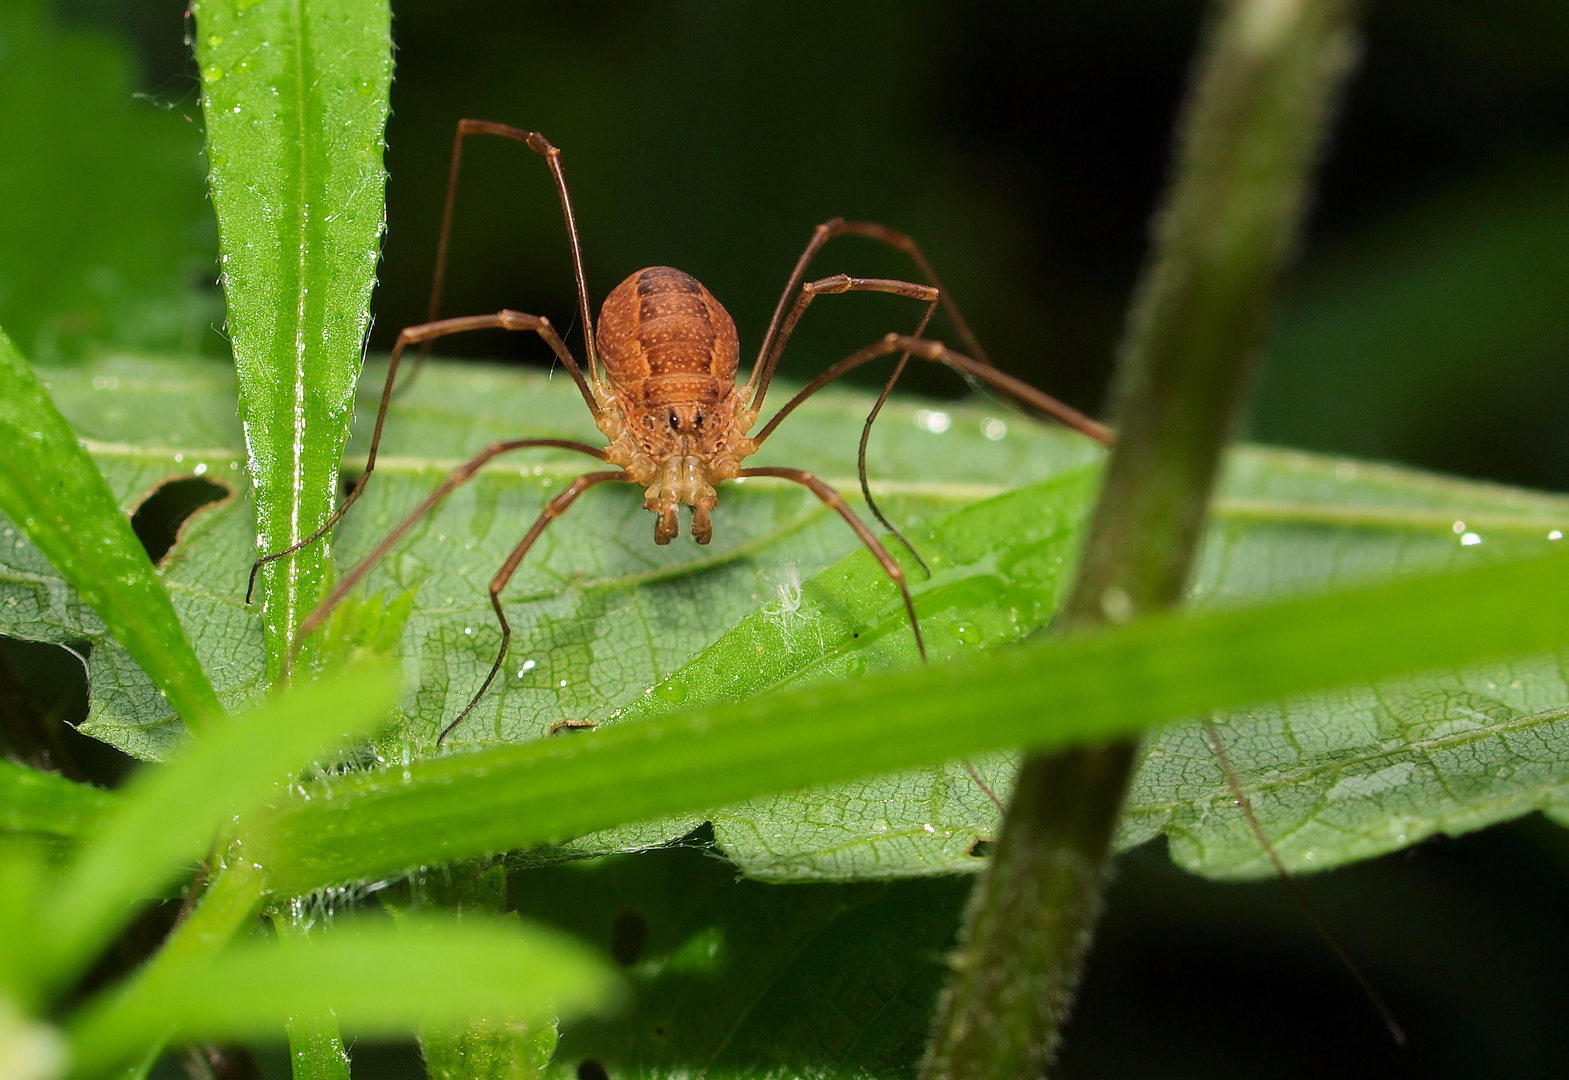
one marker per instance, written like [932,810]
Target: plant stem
[1267,80]
[483,1049]
[226,909]
[316,1050]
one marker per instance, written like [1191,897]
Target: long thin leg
[504,320]
[832,499]
[540,145]
[456,478]
[873,231]
[553,509]
[838,283]
[843,283]
[1385,1013]
[935,351]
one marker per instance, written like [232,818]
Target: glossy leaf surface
[294,98]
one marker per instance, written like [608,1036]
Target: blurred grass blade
[378,978]
[295,104]
[171,813]
[34,801]
[1077,690]
[52,491]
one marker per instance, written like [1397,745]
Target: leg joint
[838,283]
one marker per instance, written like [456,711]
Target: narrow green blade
[171,814]
[295,103]
[34,801]
[1055,693]
[377,978]
[52,491]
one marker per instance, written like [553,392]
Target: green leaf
[1346,775]
[1285,524]
[34,801]
[738,978]
[295,103]
[104,232]
[616,618]
[611,617]
[51,490]
[1042,694]
[170,815]
[378,978]
[147,423]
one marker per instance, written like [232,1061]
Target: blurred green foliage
[106,236]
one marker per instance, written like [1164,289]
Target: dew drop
[855,667]
[671,690]
[967,632]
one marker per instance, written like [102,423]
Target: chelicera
[659,379]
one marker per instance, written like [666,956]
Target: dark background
[1024,144]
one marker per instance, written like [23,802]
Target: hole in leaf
[589,1069]
[981,849]
[43,696]
[158,520]
[627,938]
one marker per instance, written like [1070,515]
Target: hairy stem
[316,1050]
[484,1048]
[1266,84]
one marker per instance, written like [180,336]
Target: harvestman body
[660,381]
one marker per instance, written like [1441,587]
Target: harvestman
[660,382]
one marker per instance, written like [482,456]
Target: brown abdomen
[666,340]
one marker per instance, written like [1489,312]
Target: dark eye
[675,421]
[697,421]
